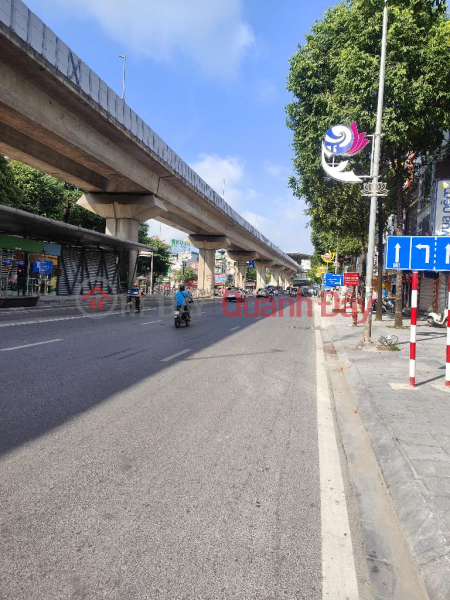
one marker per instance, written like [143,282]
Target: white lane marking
[112,314]
[260,317]
[42,321]
[338,566]
[150,322]
[175,355]
[234,328]
[29,345]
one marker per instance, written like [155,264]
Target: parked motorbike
[435,319]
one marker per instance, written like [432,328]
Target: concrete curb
[424,532]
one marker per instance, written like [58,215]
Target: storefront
[70,261]
[28,267]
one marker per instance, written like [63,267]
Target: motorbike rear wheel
[177,322]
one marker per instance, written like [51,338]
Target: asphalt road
[144,462]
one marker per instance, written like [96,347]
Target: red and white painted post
[412,345]
[447,358]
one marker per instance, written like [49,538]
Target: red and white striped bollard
[412,345]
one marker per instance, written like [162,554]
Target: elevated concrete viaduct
[57,115]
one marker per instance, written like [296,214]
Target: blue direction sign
[251,264]
[43,266]
[418,253]
[334,279]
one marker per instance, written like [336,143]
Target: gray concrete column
[207,246]
[261,266]
[206,265]
[240,269]
[276,275]
[240,274]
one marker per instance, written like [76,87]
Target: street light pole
[124,58]
[375,170]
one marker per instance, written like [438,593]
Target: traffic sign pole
[412,345]
[447,358]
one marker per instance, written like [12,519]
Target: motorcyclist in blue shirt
[183,300]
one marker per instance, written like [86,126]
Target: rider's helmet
[181,288]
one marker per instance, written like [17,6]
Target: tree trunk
[379,315]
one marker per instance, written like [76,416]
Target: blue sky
[209,76]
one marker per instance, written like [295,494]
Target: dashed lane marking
[30,345]
[150,322]
[176,355]
[234,328]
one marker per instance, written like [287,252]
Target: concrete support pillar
[240,274]
[261,266]
[240,270]
[206,265]
[207,246]
[123,214]
[285,281]
[276,275]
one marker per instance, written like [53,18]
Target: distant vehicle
[235,293]
[275,289]
[263,293]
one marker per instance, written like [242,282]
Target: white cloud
[215,169]
[210,33]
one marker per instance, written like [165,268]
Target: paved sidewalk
[409,430]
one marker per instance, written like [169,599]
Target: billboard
[442,214]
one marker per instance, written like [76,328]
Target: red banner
[351,279]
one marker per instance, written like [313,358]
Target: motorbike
[182,315]
[133,296]
[435,319]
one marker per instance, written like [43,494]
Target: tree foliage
[161,261]
[188,274]
[251,274]
[334,79]
[35,192]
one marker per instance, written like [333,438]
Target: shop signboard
[442,218]
[351,279]
[43,267]
[220,279]
[194,266]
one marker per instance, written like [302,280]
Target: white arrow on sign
[397,253]
[427,251]
[447,254]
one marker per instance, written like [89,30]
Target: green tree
[10,193]
[33,191]
[334,78]
[161,261]
[188,274]
[251,274]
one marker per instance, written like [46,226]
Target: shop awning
[34,227]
